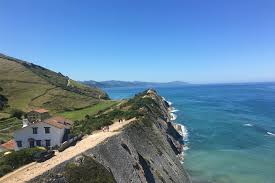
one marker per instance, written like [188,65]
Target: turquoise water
[231,130]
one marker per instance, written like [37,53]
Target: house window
[19,143]
[47,129]
[34,130]
[38,143]
[48,143]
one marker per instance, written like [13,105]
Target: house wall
[55,135]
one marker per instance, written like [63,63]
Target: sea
[231,129]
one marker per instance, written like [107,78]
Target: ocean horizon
[231,129]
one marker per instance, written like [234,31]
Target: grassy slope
[80,114]
[28,86]
[7,127]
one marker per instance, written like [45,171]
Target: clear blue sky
[199,41]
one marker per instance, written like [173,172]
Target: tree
[17,113]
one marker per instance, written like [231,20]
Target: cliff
[145,151]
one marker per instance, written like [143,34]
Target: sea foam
[184,132]
[170,103]
[174,110]
[173,117]
[269,133]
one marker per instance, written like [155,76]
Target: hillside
[114,83]
[25,86]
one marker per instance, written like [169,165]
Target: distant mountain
[114,83]
[25,86]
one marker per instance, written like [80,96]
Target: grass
[7,127]
[80,114]
[137,107]
[4,115]
[88,171]
[28,86]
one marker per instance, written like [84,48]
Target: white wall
[26,133]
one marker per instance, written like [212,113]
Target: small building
[38,115]
[50,132]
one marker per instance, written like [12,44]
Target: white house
[49,133]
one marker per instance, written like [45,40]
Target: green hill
[114,84]
[25,86]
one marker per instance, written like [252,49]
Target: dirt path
[42,94]
[32,170]
[68,82]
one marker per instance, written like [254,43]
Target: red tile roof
[10,145]
[59,122]
[40,110]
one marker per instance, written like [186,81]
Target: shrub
[17,113]
[17,159]
[4,169]
[3,101]
[88,171]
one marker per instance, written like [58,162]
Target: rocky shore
[181,129]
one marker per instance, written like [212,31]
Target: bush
[4,169]
[17,159]
[88,171]
[17,113]
[3,101]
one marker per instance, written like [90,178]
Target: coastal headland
[141,149]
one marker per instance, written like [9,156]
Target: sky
[197,41]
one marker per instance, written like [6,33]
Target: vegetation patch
[88,171]
[3,101]
[28,86]
[64,82]
[7,127]
[140,107]
[81,113]
[17,159]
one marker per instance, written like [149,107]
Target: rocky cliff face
[145,151]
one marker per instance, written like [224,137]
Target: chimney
[25,122]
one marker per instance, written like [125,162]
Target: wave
[269,133]
[174,110]
[248,125]
[260,129]
[169,103]
[173,116]
[184,132]
[185,148]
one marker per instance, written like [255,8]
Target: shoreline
[180,128]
